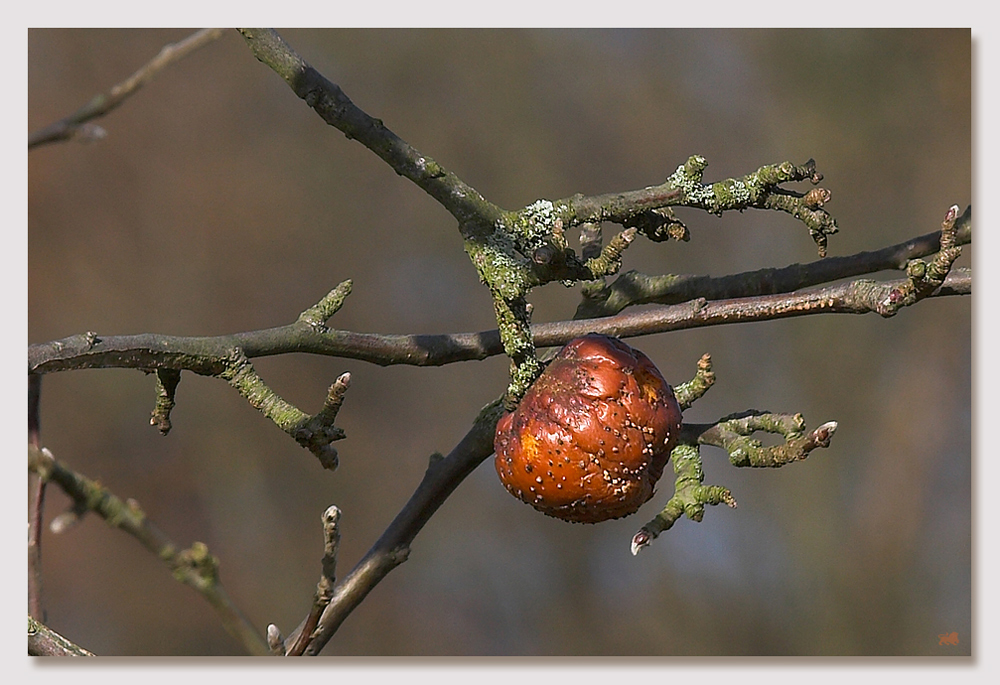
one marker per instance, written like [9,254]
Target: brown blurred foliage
[219,202]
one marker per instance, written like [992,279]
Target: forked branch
[516,251]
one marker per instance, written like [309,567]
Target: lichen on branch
[923,278]
[687,393]
[527,249]
[634,288]
[689,498]
[732,433]
[321,312]
[314,432]
[760,189]
[516,251]
[650,209]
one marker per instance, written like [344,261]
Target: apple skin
[592,434]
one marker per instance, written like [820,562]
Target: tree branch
[731,433]
[206,355]
[689,498]
[924,278]
[43,641]
[76,124]
[649,208]
[634,288]
[514,252]
[315,432]
[195,567]
[392,548]
[854,297]
[324,588]
[335,108]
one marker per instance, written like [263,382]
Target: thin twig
[392,548]
[332,104]
[731,433]
[76,124]
[854,297]
[690,497]
[194,566]
[324,588]
[36,517]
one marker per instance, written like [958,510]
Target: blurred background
[219,203]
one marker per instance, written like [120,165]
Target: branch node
[659,224]
[197,566]
[331,543]
[316,432]
[816,198]
[590,239]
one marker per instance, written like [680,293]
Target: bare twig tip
[640,540]
[64,521]
[822,435]
[332,515]
[275,641]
